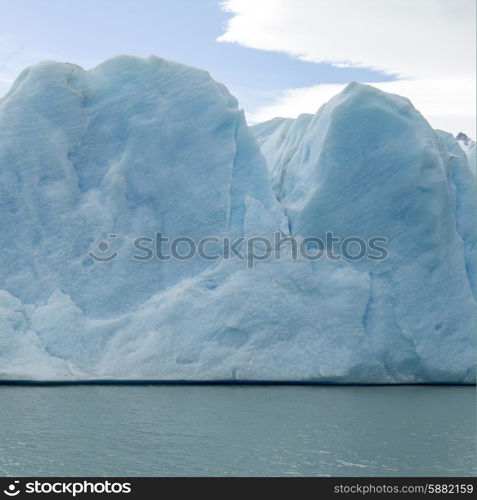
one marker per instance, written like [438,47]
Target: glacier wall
[135,146]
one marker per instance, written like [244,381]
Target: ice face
[129,148]
[369,164]
[137,146]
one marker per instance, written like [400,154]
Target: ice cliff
[136,146]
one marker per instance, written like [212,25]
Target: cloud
[447,104]
[428,44]
[406,37]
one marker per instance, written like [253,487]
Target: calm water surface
[154,430]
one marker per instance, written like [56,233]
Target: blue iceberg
[139,147]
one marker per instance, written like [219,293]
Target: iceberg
[91,161]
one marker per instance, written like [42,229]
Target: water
[156,430]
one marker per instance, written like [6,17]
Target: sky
[278,57]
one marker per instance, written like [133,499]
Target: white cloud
[447,104]
[430,44]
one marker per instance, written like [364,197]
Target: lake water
[153,430]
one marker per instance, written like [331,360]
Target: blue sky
[89,31]
[271,54]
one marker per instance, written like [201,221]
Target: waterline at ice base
[136,146]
